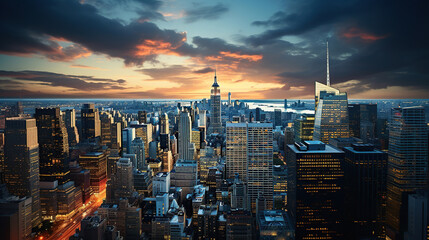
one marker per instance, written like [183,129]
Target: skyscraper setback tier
[407,164]
[215,109]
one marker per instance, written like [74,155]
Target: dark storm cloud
[377,43]
[109,4]
[164,72]
[204,70]
[28,27]
[203,47]
[84,83]
[199,12]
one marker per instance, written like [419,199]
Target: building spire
[215,84]
[328,82]
[215,78]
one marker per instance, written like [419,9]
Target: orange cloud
[356,32]
[86,67]
[253,58]
[173,15]
[155,47]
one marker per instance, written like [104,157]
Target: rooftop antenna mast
[328,82]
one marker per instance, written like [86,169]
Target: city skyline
[172,119]
[170,49]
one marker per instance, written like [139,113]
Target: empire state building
[215,109]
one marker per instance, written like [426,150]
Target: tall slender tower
[331,113]
[215,109]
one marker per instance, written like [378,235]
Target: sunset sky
[268,49]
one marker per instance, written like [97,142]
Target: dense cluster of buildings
[214,170]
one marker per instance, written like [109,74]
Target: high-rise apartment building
[21,153]
[407,164]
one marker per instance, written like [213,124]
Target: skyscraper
[260,163]
[236,151]
[122,185]
[277,117]
[185,134]
[70,123]
[215,109]
[91,127]
[128,135]
[407,164]
[53,145]
[304,127]
[164,124]
[229,99]
[202,118]
[315,190]
[331,119]
[21,152]
[96,163]
[142,116]
[144,131]
[249,153]
[258,114]
[362,120]
[137,148]
[331,115]
[106,122]
[365,170]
